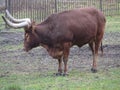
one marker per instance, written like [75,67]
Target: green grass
[13,47]
[103,80]
[113,24]
[1,22]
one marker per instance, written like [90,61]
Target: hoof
[61,74]
[93,70]
[58,74]
[65,74]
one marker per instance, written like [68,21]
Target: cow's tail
[101,47]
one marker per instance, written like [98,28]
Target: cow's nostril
[26,50]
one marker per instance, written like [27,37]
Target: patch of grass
[12,87]
[113,23]
[12,47]
[2,26]
[103,80]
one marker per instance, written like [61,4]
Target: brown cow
[61,31]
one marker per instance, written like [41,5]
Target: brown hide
[78,26]
[61,31]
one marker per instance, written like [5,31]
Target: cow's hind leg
[101,49]
[94,66]
[95,47]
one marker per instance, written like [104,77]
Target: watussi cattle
[60,31]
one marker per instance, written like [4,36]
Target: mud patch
[15,60]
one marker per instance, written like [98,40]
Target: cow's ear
[33,25]
[31,28]
[28,29]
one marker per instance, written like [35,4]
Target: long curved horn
[17,20]
[19,25]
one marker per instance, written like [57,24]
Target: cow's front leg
[65,57]
[65,60]
[59,67]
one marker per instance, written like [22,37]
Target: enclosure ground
[14,61]
[11,53]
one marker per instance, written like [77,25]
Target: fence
[39,9]
[2,8]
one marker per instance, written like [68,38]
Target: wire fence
[38,10]
[2,25]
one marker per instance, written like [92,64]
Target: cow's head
[30,39]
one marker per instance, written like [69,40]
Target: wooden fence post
[101,8]
[55,5]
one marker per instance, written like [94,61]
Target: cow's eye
[26,35]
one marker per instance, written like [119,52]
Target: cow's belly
[55,53]
[82,41]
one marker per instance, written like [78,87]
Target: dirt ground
[14,60]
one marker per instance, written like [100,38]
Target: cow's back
[78,25]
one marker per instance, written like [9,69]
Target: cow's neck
[41,33]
